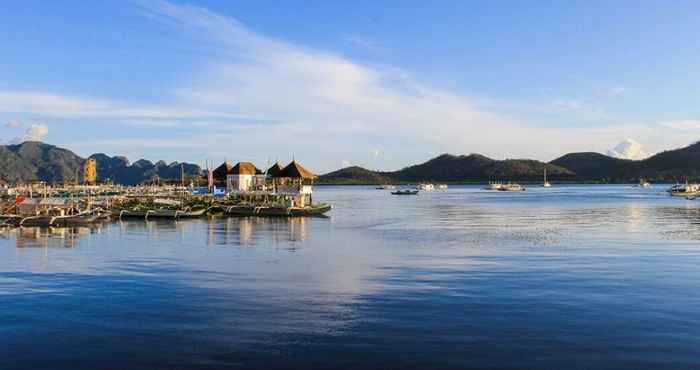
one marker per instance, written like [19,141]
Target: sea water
[578,277]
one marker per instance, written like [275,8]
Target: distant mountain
[451,168]
[36,161]
[476,167]
[669,166]
[354,175]
[596,166]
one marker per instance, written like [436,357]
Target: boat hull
[248,211]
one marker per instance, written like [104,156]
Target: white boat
[494,186]
[643,183]
[442,186]
[685,190]
[512,187]
[546,183]
[386,187]
[425,187]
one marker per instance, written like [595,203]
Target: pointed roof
[296,170]
[274,170]
[244,168]
[223,170]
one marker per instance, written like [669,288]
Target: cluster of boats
[412,191]
[69,212]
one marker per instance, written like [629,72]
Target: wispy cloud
[684,125]
[325,107]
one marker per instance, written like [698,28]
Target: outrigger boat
[277,211]
[159,213]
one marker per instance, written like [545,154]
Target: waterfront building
[297,182]
[244,177]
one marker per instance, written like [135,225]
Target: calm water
[571,277]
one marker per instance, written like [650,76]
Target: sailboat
[546,183]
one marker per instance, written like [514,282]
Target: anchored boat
[272,211]
[685,190]
[405,192]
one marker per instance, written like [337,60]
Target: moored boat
[277,211]
[159,213]
[685,190]
[405,192]
[643,183]
[511,187]
[494,185]
[545,183]
[425,187]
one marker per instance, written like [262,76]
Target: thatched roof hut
[296,171]
[274,170]
[244,168]
[222,171]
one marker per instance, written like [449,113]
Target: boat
[685,190]
[494,186]
[277,211]
[386,187]
[85,218]
[405,192]
[442,186]
[82,218]
[159,213]
[643,184]
[546,183]
[511,187]
[425,187]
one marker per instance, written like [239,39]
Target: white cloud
[35,132]
[66,106]
[685,125]
[628,149]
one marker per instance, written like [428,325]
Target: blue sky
[378,84]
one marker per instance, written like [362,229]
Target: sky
[380,84]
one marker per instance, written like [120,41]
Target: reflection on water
[62,237]
[573,277]
[228,231]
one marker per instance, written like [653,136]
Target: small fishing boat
[442,186]
[159,213]
[277,211]
[405,192]
[85,218]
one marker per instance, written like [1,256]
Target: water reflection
[257,230]
[50,237]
